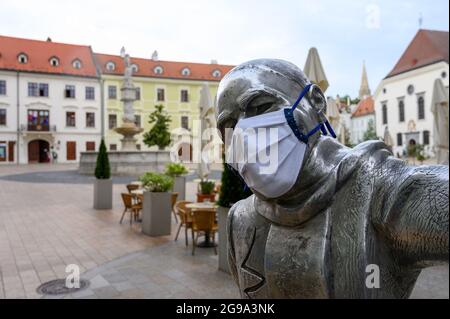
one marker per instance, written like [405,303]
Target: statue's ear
[317,98]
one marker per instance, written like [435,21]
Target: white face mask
[267,150]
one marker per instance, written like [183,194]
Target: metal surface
[58,287]
[350,208]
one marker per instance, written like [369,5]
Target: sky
[345,32]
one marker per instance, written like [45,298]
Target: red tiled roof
[171,69]
[365,107]
[427,47]
[39,54]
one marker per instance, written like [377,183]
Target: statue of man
[329,221]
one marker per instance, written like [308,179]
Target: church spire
[364,89]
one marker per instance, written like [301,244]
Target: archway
[38,151]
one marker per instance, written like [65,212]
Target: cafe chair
[185,218]
[132,187]
[203,221]
[174,201]
[133,209]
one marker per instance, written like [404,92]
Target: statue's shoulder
[243,212]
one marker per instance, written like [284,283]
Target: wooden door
[33,151]
[90,146]
[11,145]
[71,150]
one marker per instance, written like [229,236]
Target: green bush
[175,169]
[232,189]
[102,168]
[207,187]
[155,182]
[159,133]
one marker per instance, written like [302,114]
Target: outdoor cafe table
[208,206]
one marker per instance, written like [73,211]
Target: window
[112,92]
[76,64]
[185,72]
[2,152]
[384,111]
[185,122]
[2,87]
[216,73]
[401,111]
[90,146]
[158,70]
[90,119]
[160,95]
[137,120]
[444,74]
[54,61]
[90,93]
[37,89]
[134,67]
[110,66]
[138,147]
[184,96]
[112,121]
[70,119]
[113,147]
[138,93]
[426,137]
[38,120]
[69,92]
[399,139]
[22,58]
[410,89]
[421,107]
[2,116]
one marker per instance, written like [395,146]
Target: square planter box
[156,214]
[179,186]
[103,193]
[222,216]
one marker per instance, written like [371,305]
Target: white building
[50,101]
[403,98]
[361,118]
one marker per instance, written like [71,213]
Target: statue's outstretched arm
[416,221]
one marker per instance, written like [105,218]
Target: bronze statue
[349,210]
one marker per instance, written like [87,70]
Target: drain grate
[58,287]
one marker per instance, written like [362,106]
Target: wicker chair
[174,201]
[132,187]
[203,221]
[185,218]
[133,209]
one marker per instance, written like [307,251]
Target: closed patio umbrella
[314,69]
[388,138]
[206,109]
[333,114]
[439,108]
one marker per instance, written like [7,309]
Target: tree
[102,168]
[370,133]
[233,189]
[159,134]
[347,139]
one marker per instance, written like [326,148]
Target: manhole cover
[58,287]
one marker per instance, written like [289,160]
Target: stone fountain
[129,160]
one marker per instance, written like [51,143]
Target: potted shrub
[103,185]
[159,134]
[232,190]
[178,171]
[157,205]
[206,191]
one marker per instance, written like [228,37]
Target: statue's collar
[320,185]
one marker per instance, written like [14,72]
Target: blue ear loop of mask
[289,114]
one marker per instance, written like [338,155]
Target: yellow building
[176,85]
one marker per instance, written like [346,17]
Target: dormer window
[135,68]
[158,69]
[76,64]
[22,58]
[185,72]
[216,73]
[110,66]
[54,61]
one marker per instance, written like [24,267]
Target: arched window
[22,58]
[110,66]
[401,111]
[384,113]
[134,67]
[421,107]
[76,64]
[54,61]
[158,69]
[185,72]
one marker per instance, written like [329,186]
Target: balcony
[30,128]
